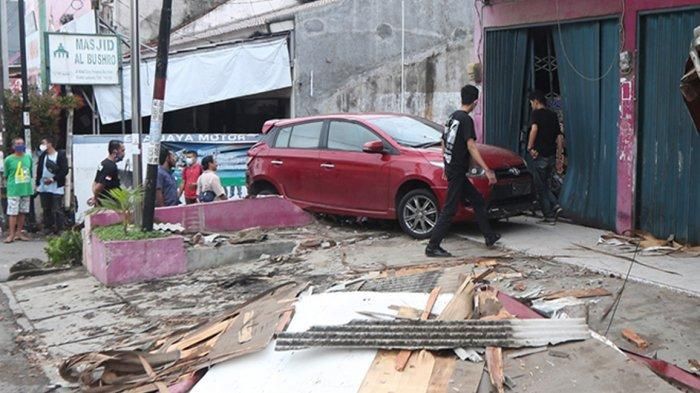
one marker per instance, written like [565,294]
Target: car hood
[495,157]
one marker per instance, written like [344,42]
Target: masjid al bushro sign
[82,59]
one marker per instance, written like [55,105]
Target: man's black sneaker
[549,220]
[437,252]
[557,211]
[491,239]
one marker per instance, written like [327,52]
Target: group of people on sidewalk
[50,180]
[459,147]
[200,183]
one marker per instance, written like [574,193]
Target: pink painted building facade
[633,202]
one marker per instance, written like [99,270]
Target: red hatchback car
[383,166]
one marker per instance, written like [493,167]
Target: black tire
[266,190]
[418,213]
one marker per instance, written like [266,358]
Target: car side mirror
[373,147]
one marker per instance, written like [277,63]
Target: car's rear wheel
[264,190]
[418,213]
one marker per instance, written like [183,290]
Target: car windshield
[409,131]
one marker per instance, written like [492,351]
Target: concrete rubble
[166,334]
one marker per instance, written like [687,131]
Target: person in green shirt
[18,172]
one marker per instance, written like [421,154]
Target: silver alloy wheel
[420,214]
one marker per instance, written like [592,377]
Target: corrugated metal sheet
[504,85]
[437,335]
[669,161]
[590,119]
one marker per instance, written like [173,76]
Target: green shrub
[116,232]
[65,249]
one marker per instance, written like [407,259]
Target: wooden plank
[490,308]
[634,338]
[442,374]
[494,363]
[461,305]
[578,293]
[404,355]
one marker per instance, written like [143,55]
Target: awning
[202,77]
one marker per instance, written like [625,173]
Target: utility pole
[149,204]
[25,84]
[4,80]
[136,99]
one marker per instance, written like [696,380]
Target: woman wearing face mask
[51,173]
[190,175]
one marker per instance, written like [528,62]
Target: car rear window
[283,137]
[348,136]
[306,136]
[408,131]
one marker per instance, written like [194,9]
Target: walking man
[166,185]
[209,186]
[542,150]
[190,175]
[18,172]
[458,145]
[107,177]
[51,173]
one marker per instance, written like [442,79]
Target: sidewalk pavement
[14,252]
[561,242]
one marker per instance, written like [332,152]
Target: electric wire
[621,30]
[619,294]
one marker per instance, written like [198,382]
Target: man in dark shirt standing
[166,186]
[107,177]
[542,148]
[458,145]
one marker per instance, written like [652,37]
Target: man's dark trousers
[543,168]
[459,188]
[52,205]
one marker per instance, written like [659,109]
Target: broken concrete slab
[591,368]
[209,257]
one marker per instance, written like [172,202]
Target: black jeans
[541,174]
[459,189]
[52,205]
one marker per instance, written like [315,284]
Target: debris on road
[176,356]
[632,336]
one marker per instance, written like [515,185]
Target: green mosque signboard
[82,59]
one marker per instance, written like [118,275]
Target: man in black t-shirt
[542,149]
[458,145]
[107,177]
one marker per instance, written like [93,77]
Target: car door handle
[276,162]
[327,166]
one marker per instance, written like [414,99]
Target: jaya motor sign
[82,59]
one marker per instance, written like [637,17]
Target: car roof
[343,116]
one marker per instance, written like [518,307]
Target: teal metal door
[669,148]
[587,53]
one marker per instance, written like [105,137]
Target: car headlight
[438,164]
[476,171]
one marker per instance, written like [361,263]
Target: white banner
[202,77]
[83,59]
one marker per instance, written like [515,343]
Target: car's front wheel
[418,213]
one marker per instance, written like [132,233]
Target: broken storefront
[612,70]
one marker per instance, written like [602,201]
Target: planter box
[128,261]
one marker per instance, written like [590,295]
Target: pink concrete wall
[227,216]
[121,262]
[513,13]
